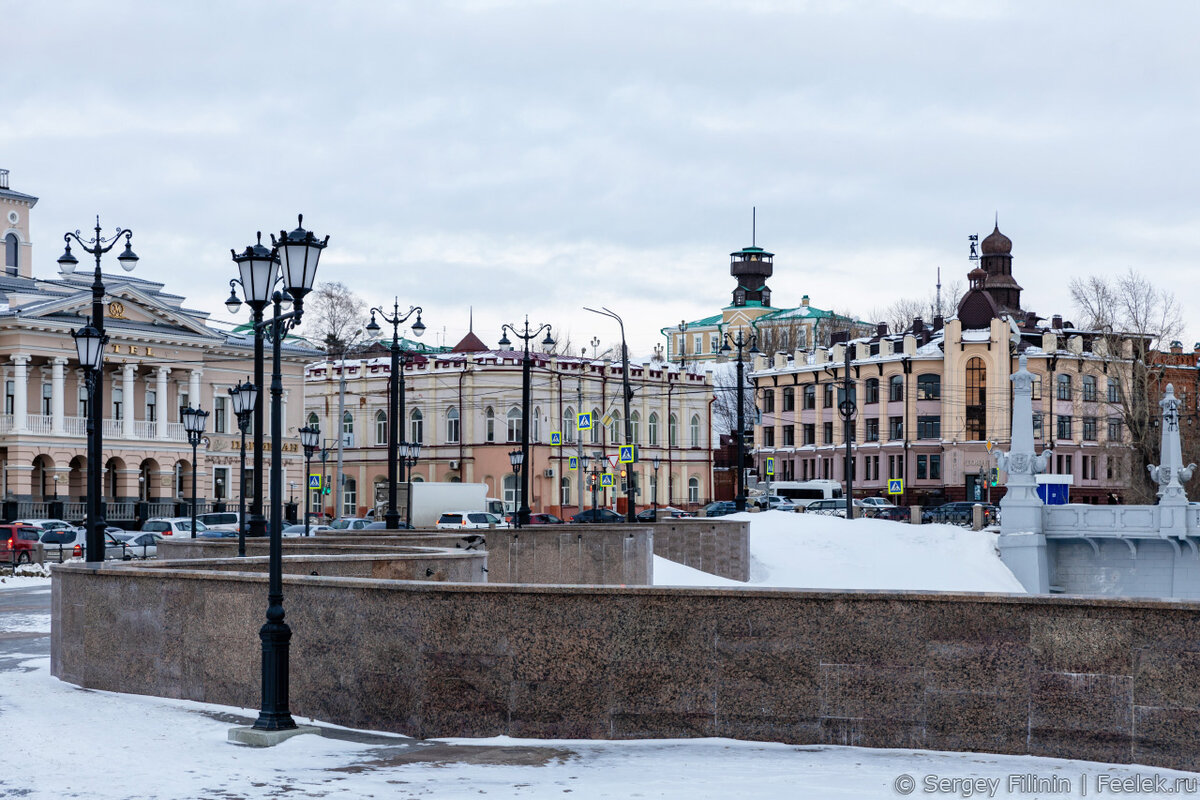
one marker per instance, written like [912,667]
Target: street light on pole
[96,246]
[522,514]
[395,400]
[516,458]
[657,463]
[244,398]
[409,452]
[193,424]
[310,440]
[291,262]
[740,342]
[627,393]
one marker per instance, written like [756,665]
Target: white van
[801,493]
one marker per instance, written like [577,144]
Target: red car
[18,542]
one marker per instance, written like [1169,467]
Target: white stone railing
[75,426]
[143,429]
[42,424]
[38,423]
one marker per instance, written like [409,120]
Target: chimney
[3,179]
[938,322]
[1056,322]
[1176,348]
[918,325]
[804,301]
[881,329]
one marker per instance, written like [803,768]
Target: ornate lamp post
[522,514]
[193,423]
[682,327]
[517,458]
[396,398]
[89,346]
[292,263]
[657,463]
[244,398]
[410,452]
[740,342]
[310,440]
[96,246]
[627,393]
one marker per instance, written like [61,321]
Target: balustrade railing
[38,423]
[43,424]
[143,429]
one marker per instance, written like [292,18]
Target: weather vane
[974,237]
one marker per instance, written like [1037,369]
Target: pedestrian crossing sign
[584,423]
[606,480]
[314,481]
[556,438]
[770,466]
[895,486]
[626,454]
[573,463]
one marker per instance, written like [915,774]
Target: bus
[804,492]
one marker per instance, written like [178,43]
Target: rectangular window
[220,483]
[896,389]
[1037,425]
[83,401]
[1114,390]
[872,390]
[1037,387]
[827,400]
[47,399]
[935,468]
[895,427]
[789,399]
[1089,429]
[10,393]
[118,402]
[922,467]
[825,468]
[768,401]
[220,415]
[151,405]
[873,429]
[929,387]
[1064,428]
[1089,388]
[768,437]
[810,397]
[698,344]
[810,434]
[1114,429]
[1108,466]
[828,433]
[929,427]
[789,435]
[1064,387]
[1065,466]
[895,466]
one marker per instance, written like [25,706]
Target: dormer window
[739,297]
[766,296]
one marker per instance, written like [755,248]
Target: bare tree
[335,316]
[901,312]
[1136,319]
[725,395]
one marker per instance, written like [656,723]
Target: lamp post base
[392,520]
[276,643]
[254,737]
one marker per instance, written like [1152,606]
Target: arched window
[1089,388]
[652,429]
[673,431]
[535,425]
[635,420]
[416,426]
[489,424]
[514,424]
[347,423]
[929,386]
[11,250]
[452,425]
[872,390]
[896,389]
[349,497]
[314,421]
[568,425]
[976,400]
[614,428]
[564,494]
[693,489]
[695,430]
[595,432]
[381,427]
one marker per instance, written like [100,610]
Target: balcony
[76,427]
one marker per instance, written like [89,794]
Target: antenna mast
[939,291]
[753,224]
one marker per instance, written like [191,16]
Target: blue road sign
[895,486]
[606,480]
[770,466]
[555,438]
[314,481]
[585,422]
[626,454]
[573,462]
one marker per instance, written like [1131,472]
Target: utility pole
[341,436]
[579,441]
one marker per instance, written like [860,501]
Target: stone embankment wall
[1084,678]
[716,546]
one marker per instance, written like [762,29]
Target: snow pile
[811,551]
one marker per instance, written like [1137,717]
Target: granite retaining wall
[601,555]
[716,546]
[1086,678]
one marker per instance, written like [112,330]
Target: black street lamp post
[193,424]
[627,393]
[89,346]
[244,398]
[395,400]
[657,463]
[517,458]
[409,453]
[740,342]
[96,246]
[522,515]
[847,409]
[292,262]
[310,440]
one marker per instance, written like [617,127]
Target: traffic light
[995,476]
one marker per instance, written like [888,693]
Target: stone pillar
[57,400]
[1022,543]
[127,373]
[160,389]
[1171,474]
[20,392]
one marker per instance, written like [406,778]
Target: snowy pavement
[61,741]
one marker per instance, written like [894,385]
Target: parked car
[960,512]
[877,502]
[221,520]
[313,529]
[774,502]
[18,541]
[350,524]
[46,524]
[470,519]
[381,525]
[174,526]
[597,515]
[719,508]
[60,545]
[834,508]
[544,519]
[215,533]
[664,512]
[142,545]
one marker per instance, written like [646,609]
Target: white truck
[431,499]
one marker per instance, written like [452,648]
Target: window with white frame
[220,415]
[151,405]
[349,497]
[347,423]
[568,425]
[416,426]
[635,420]
[535,425]
[118,403]
[514,424]
[564,494]
[83,400]
[693,490]
[614,428]
[489,424]
[381,427]
[673,431]
[594,437]
[220,483]
[452,425]
[652,429]
[695,430]
[47,399]
[314,421]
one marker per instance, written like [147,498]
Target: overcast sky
[534,157]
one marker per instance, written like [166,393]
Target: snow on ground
[812,551]
[23,581]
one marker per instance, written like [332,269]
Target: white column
[21,392]
[127,398]
[58,398]
[160,389]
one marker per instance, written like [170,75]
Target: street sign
[573,463]
[314,481]
[606,480]
[612,461]
[607,420]
[770,466]
[989,445]
[584,423]
[556,438]
[626,454]
[895,486]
